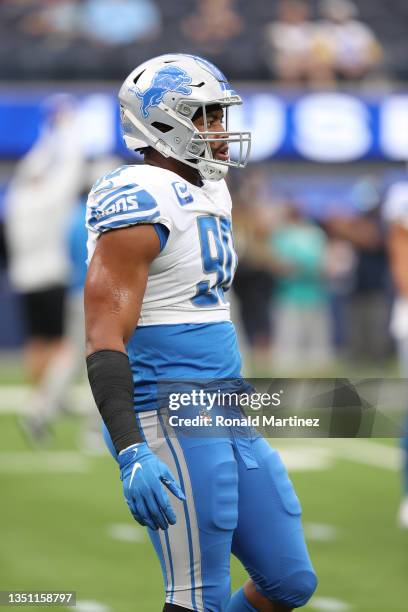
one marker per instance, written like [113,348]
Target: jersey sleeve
[119,200]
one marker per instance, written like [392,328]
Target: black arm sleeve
[111,382]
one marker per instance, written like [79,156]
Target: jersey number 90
[218,257]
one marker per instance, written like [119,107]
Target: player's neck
[154,158]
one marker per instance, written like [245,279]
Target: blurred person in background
[120,22]
[60,19]
[339,268]
[85,38]
[396,214]
[213,24]
[367,307]
[302,333]
[295,51]
[77,236]
[350,45]
[109,22]
[40,198]
[46,39]
[253,279]
[289,41]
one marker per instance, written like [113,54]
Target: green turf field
[64,525]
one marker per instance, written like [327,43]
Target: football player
[161,259]
[396,215]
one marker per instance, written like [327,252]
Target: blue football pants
[239,499]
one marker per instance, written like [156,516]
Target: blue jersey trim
[163,233]
[124,222]
[115,192]
[187,514]
[166,537]
[136,201]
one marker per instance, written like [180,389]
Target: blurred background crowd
[315,41]
[316,214]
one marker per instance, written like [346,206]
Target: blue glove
[142,474]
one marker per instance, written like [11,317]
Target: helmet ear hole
[162,127]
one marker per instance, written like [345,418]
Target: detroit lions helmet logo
[168,78]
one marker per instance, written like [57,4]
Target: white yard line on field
[329,604]
[300,458]
[296,458]
[126,532]
[90,606]
[15,399]
[320,532]
[364,452]
[29,462]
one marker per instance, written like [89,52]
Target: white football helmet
[158,101]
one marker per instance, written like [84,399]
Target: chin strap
[211,171]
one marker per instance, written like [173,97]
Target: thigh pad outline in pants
[269,538]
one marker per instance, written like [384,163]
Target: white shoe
[403,513]
[36,430]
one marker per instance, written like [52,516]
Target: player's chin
[222,156]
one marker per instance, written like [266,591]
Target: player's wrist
[128,448]
[139,452]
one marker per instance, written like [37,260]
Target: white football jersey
[187,280]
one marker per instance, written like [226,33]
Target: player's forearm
[109,320]
[107,327]
[111,381]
